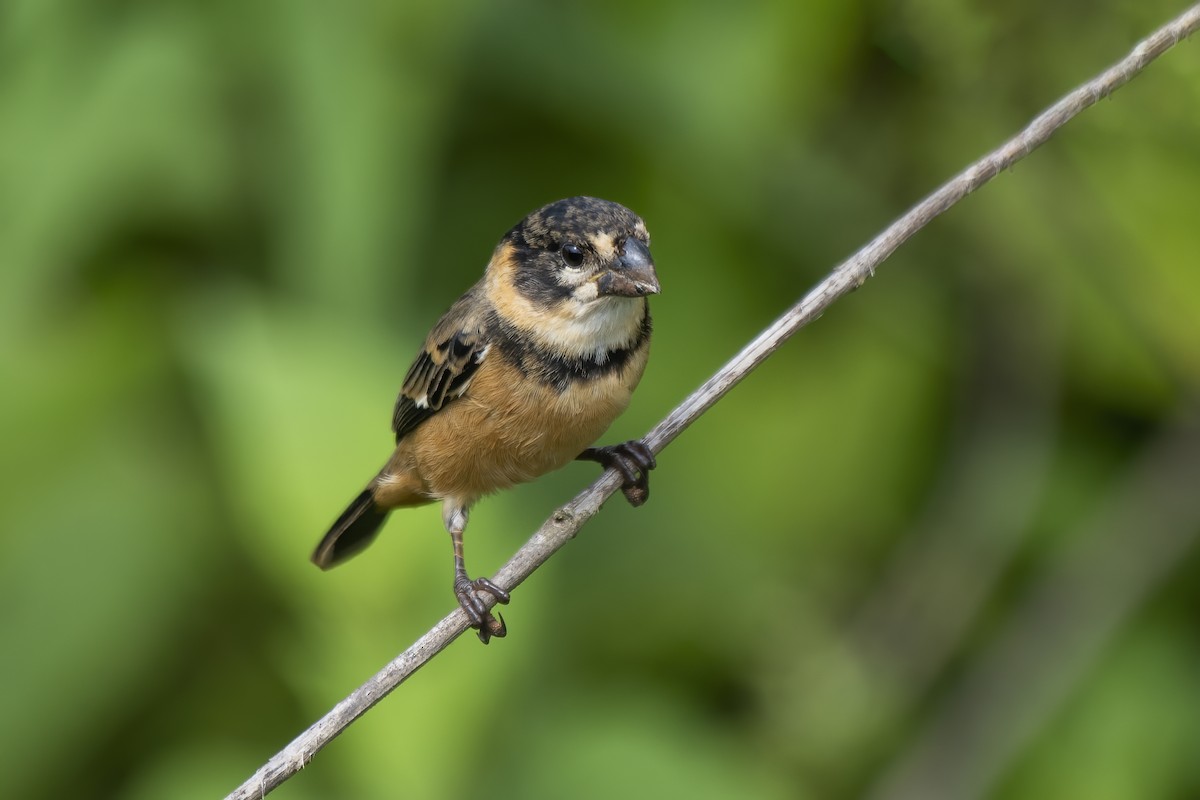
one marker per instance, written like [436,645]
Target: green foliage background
[879,568]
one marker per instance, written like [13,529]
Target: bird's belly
[491,440]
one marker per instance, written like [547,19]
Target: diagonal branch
[849,275]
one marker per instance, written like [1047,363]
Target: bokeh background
[941,545]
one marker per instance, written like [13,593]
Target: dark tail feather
[353,531]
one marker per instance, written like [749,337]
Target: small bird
[522,374]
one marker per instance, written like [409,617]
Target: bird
[522,374]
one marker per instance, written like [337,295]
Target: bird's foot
[633,460]
[469,592]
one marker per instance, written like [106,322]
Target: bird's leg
[633,460]
[466,590]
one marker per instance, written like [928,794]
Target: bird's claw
[633,460]
[486,624]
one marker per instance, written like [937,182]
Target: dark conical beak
[633,273]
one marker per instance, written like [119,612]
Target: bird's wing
[443,370]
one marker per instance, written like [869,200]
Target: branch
[849,275]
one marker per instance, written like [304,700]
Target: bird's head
[574,276]
[581,250]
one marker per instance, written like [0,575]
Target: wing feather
[443,370]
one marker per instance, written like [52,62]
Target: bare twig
[849,275]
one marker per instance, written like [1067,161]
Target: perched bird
[518,378]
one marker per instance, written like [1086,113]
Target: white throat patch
[592,328]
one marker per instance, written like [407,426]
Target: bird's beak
[632,275]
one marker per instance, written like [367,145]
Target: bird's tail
[353,531]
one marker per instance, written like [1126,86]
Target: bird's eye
[572,254]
